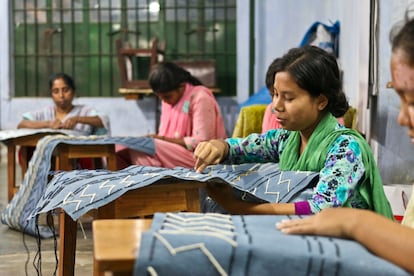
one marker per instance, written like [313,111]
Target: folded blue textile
[82,190]
[16,214]
[217,244]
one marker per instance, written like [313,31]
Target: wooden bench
[115,244]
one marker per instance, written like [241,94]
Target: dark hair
[402,37]
[270,74]
[168,76]
[66,78]
[316,71]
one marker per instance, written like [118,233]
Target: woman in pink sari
[189,115]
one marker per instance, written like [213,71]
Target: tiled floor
[18,251]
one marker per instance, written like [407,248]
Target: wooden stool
[115,244]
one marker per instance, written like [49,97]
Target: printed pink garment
[195,117]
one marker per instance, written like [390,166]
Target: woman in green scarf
[308,97]
[389,240]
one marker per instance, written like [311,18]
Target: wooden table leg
[25,161]
[67,244]
[193,200]
[11,170]
[111,162]
[67,226]
[97,270]
[64,157]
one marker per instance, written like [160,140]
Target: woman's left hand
[70,123]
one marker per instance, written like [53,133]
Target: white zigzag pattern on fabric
[66,201]
[199,246]
[104,185]
[127,182]
[91,195]
[213,225]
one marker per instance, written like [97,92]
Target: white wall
[243,38]
[281,25]
[4,58]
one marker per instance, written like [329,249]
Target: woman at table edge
[63,114]
[311,140]
[387,239]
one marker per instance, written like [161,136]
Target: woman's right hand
[210,153]
[334,222]
[55,124]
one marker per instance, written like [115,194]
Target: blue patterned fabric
[16,214]
[82,190]
[79,191]
[217,244]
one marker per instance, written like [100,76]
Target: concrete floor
[18,251]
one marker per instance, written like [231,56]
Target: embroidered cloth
[82,190]
[16,214]
[217,244]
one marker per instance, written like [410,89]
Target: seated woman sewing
[189,115]
[307,97]
[64,114]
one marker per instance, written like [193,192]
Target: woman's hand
[333,222]
[70,123]
[210,153]
[55,124]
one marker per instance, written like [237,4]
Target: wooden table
[24,143]
[164,196]
[63,154]
[115,244]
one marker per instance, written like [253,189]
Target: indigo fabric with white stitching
[217,244]
[16,214]
[82,190]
